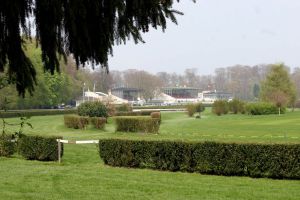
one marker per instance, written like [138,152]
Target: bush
[30,113]
[137,124]
[92,109]
[135,113]
[254,160]
[111,109]
[191,109]
[236,106]
[75,121]
[7,147]
[220,107]
[98,122]
[156,115]
[125,107]
[39,148]
[262,109]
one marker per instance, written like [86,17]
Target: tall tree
[87,29]
[278,87]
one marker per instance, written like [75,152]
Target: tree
[278,87]
[87,29]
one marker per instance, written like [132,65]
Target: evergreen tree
[87,29]
[278,87]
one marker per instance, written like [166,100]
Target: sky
[218,33]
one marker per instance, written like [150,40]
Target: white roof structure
[105,98]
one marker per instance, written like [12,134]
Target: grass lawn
[82,175]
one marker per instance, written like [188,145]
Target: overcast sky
[218,33]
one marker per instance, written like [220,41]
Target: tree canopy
[87,29]
[278,87]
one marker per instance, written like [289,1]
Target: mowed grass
[82,174]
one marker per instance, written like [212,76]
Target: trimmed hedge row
[262,108]
[254,160]
[137,124]
[7,148]
[98,122]
[136,113]
[39,148]
[10,114]
[75,121]
[156,115]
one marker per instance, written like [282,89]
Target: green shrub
[98,122]
[7,147]
[125,107]
[220,107]
[236,106]
[156,115]
[37,112]
[135,113]
[92,109]
[75,121]
[39,148]
[191,109]
[254,160]
[261,108]
[137,124]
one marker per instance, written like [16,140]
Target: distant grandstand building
[182,94]
[211,96]
[130,94]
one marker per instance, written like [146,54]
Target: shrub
[261,108]
[98,122]
[7,147]
[191,109]
[39,148]
[37,112]
[254,160]
[135,113]
[199,108]
[92,109]
[125,107]
[220,107]
[236,106]
[137,124]
[75,121]
[111,109]
[156,115]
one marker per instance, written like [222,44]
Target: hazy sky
[218,33]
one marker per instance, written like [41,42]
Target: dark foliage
[39,148]
[220,107]
[137,124]
[87,29]
[7,147]
[31,113]
[236,106]
[92,109]
[254,160]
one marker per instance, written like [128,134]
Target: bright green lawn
[82,175]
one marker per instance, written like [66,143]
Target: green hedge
[98,122]
[156,115]
[136,113]
[92,109]
[137,124]
[7,148]
[10,114]
[261,108]
[39,148]
[254,160]
[75,121]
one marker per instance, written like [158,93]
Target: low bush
[75,121]
[137,124]
[30,113]
[254,160]
[92,109]
[125,107]
[261,108]
[191,109]
[7,147]
[98,122]
[135,113]
[220,107]
[237,106]
[156,115]
[39,148]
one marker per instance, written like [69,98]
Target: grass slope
[82,175]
